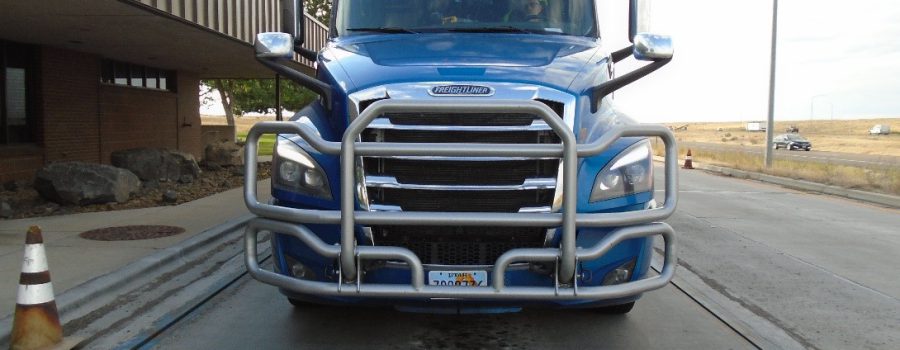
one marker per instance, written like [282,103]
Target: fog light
[298,270]
[620,274]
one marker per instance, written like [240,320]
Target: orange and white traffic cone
[688,161]
[36,323]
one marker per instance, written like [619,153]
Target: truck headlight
[296,171]
[629,173]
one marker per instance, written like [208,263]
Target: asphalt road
[854,159]
[786,269]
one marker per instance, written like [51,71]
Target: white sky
[837,58]
[836,54]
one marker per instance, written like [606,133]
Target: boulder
[222,154]
[85,183]
[11,186]
[45,209]
[151,164]
[6,211]
[170,196]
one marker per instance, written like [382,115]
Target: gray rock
[152,184]
[45,209]
[156,164]
[223,154]
[170,196]
[85,183]
[186,179]
[212,166]
[6,211]
[11,186]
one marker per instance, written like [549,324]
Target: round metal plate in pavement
[131,233]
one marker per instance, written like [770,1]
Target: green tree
[320,9]
[257,95]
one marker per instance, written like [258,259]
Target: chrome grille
[459,184]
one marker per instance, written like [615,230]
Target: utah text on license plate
[457,278]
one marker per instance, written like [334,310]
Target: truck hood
[371,60]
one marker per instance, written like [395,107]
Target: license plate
[457,278]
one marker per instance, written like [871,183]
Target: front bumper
[565,259]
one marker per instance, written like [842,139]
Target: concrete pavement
[74,260]
[816,266]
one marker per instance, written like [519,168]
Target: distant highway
[853,159]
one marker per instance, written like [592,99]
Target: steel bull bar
[289,221]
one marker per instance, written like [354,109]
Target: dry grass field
[849,136]
[882,179]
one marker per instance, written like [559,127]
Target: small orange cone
[36,323]
[688,161]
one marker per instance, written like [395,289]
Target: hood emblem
[461,90]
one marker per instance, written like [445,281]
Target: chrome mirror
[274,45]
[653,47]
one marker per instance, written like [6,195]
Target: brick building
[81,79]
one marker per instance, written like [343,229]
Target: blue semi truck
[463,155]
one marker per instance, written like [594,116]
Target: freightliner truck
[463,156]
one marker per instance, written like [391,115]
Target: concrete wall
[80,119]
[217,133]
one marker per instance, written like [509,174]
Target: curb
[762,333]
[104,290]
[803,185]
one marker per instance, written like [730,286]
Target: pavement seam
[722,312]
[796,258]
[741,332]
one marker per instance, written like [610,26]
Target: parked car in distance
[792,142]
[880,129]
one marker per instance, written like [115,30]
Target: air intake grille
[442,172]
[461,201]
[459,245]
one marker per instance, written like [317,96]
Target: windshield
[567,17]
[795,138]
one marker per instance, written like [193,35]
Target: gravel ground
[26,202]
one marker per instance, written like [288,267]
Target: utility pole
[770,127]
[278,97]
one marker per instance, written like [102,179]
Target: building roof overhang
[130,32]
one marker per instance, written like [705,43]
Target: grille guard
[290,221]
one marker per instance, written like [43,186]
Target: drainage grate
[131,233]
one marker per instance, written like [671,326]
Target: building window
[17,120]
[127,74]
